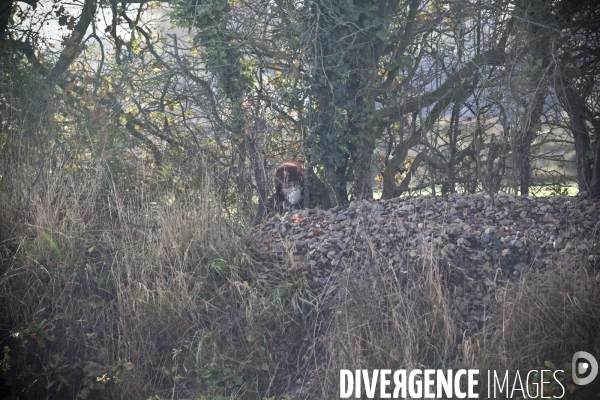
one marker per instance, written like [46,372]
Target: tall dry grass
[403,318]
[113,294]
[392,317]
[541,322]
[147,293]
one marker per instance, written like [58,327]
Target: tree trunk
[390,189]
[362,185]
[524,147]
[595,183]
[541,51]
[595,186]
[582,148]
[331,185]
[5,10]
[575,108]
[362,153]
[256,162]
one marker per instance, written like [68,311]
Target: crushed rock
[480,241]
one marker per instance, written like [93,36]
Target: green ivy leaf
[54,246]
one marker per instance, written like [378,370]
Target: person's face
[287,187]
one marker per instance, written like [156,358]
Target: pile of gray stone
[479,242]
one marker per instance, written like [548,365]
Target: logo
[584,364]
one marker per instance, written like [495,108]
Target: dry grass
[547,317]
[129,296]
[390,319]
[383,320]
[105,294]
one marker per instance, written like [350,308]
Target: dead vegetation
[149,294]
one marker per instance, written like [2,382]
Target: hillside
[465,248]
[140,301]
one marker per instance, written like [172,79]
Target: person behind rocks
[289,187]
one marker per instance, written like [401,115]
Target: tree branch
[73,43]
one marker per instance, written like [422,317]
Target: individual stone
[520,267]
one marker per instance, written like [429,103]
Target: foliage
[133,162]
[331,82]
[38,363]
